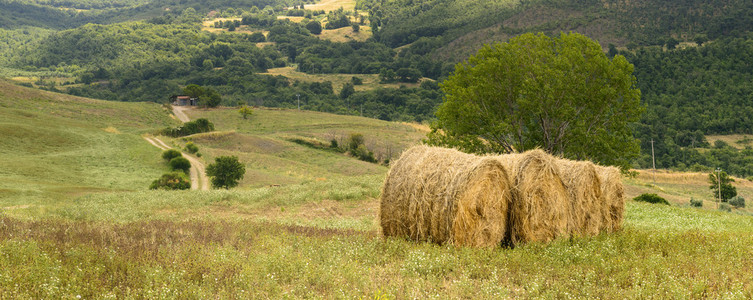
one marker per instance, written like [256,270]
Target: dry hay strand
[540,206]
[587,206]
[614,196]
[445,196]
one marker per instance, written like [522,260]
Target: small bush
[189,128]
[355,140]
[651,198]
[170,154]
[171,181]
[725,207]
[246,111]
[192,148]
[696,203]
[364,154]
[737,201]
[180,163]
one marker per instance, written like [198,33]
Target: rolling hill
[76,218]
[57,147]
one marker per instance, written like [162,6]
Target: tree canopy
[561,94]
[226,171]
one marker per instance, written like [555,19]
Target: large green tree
[561,94]
[314,27]
[226,171]
[194,91]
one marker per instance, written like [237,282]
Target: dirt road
[179,112]
[199,179]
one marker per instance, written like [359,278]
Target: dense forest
[149,61]
[621,22]
[66,14]
[693,59]
[692,92]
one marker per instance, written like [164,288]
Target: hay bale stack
[540,205]
[614,196]
[445,196]
[587,206]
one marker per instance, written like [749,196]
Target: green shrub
[737,201]
[226,171]
[192,148]
[725,207]
[696,203]
[363,154]
[170,154]
[180,163]
[651,198]
[355,140]
[171,181]
[189,128]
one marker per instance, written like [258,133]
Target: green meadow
[77,219]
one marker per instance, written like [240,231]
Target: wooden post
[653,159]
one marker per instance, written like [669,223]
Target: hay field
[316,236]
[320,240]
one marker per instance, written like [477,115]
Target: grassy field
[291,18]
[305,241]
[679,187]
[265,143]
[738,141]
[370,81]
[346,34]
[76,219]
[330,5]
[56,147]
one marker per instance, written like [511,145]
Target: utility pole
[299,101]
[653,159]
[719,186]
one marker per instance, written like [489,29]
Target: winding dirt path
[197,167]
[199,179]
[179,112]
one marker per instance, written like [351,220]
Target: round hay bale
[614,196]
[587,207]
[540,206]
[445,196]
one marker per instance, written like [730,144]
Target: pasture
[76,219]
